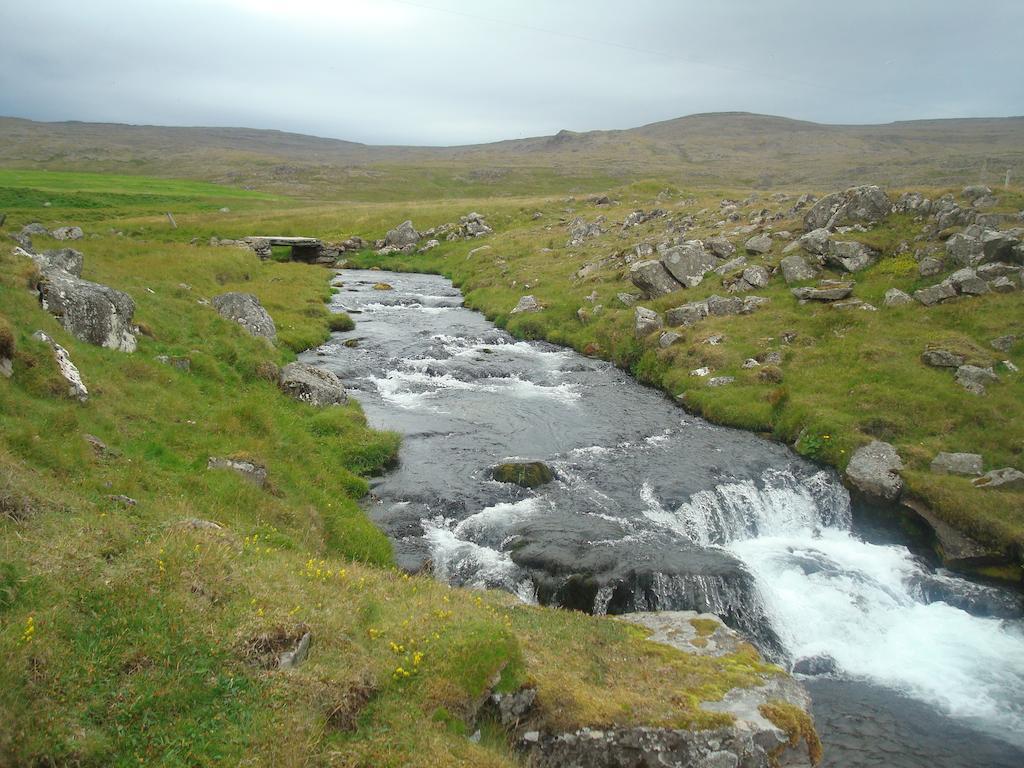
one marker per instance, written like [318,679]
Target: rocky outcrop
[874,470]
[758,244]
[688,262]
[246,310]
[1007,479]
[67,369]
[974,378]
[894,297]
[850,256]
[857,205]
[646,321]
[752,740]
[827,290]
[580,230]
[67,259]
[90,312]
[67,233]
[316,386]
[795,269]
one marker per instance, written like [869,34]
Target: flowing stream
[653,509]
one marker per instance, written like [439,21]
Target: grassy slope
[849,376]
[127,637]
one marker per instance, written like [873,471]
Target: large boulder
[934,294]
[857,205]
[758,244]
[974,378]
[527,474]
[816,242]
[402,235]
[998,246]
[874,470]
[688,262]
[526,304]
[687,314]
[68,259]
[246,310]
[312,385]
[827,290]
[90,312]
[653,279]
[720,247]
[894,297]
[963,250]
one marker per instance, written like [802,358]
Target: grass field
[130,635]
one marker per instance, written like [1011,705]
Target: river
[653,509]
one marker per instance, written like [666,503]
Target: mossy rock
[528,474]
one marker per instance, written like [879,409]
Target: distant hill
[718,149]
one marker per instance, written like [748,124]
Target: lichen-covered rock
[645,321]
[974,378]
[246,310]
[941,358]
[874,469]
[66,259]
[68,370]
[526,304]
[758,244]
[851,255]
[967,282]
[687,314]
[934,294]
[827,290]
[1007,479]
[316,386]
[957,464]
[796,269]
[894,297]
[688,262]
[67,233]
[865,204]
[402,235]
[90,312]
[720,247]
[653,279]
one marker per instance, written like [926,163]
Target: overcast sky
[465,71]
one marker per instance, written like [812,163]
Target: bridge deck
[285,240]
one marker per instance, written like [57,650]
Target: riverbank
[823,379]
[157,608]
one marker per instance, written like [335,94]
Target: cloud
[458,71]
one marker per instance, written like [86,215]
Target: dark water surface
[653,509]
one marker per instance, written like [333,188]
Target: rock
[721,381]
[402,235]
[527,474]
[974,191]
[941,358]
[67,233]
[646,321]
[722,305]
[121,500]
[68,259]
[913,202]
[929,266]
[750,740]
[246,310]
[1006,479]
[526,304]
[973,378]
[752,303]
[35,228]
[815,666]
[1003,343]
[383,287]
[996,269]
[998,246]
[730,266]
[963,250]
[865,204]
[851,255]
[430,245]
[312,385]
[688,262]
[827,290]
[580,231]
[720,247]
[816,242]
[626,299]
[67,369]
[894,297]
[935,293]
[854,303]
[1002,285]
[957,464]
[758,244]
[796,269]
[668,338]
[751,363]
[700,372]
[293,658]
[254,473]
[687,314]
[874,470]
[966,281]
[513,707]
[90,312]
[653,279]
[756,276]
